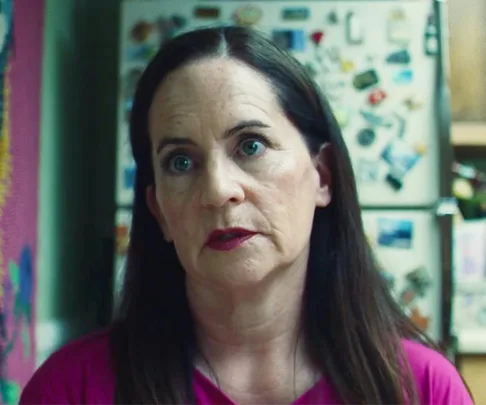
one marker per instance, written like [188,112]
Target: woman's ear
[322,161]
[153,206]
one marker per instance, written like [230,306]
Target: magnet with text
[205,12]
[354,29]
[366,137]
[248,15]
[368,171]
[295,14]
[376,97]
[141,32]
[365,79]
[399,27]
[291,40]
[395,233]
[399,58]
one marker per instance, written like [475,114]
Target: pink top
[81,373]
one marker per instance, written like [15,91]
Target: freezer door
[375,60]
[407,247]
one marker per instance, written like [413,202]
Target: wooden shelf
[468,134]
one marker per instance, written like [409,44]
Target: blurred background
[405,79]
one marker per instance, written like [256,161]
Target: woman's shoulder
[436,377]
[79,372]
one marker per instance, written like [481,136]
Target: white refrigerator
[383,67]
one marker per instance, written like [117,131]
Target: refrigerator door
[375,60]
[406,245]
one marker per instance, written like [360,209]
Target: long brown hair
[352,326]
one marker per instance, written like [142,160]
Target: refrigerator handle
[446,204]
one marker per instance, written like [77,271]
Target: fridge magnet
[129,177]
[376,97]
[401,157]
[366,137]
[376,120]
[420,280]
[333,18]
[395,233]
[295,14]
[431,40]
[354,29]
[292,40]
[248,15]
[312,67]
[317,37]
[388,278]
[141,31]
[342,117]
[399,58]
[399,27]
[413,103]
[368,171]
[407,297]
[122,237]
[365,79]
[141,52]
[420,321]
[207,12]
[347,65]
[404,76]
[402,124]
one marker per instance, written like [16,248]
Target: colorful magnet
[317,37]
[366,137]
[395,233]
[122,237]
[407,296]
[431,37]
[342,117]
[376,97]
[354,29]
[413,103]
[333,18]
[347,66]
[248,15]
[420,321]
[402,124]
[295,14]
[368,171]
[141,32]
[207,12]
[401,157]
[376,120]
[399,27]
[365,79]
[129,177]
[292,40]
[420,280]
[400,57]
[404,76]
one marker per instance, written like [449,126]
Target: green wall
[78,127]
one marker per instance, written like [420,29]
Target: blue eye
[180,164]
[252,147]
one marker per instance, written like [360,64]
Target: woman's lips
[228,239]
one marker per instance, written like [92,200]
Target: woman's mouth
[228,239]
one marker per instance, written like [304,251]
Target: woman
[249,279]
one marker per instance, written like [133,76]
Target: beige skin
[246,302]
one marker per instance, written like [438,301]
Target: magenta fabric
[80,373]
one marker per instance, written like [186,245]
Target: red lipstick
[228,239]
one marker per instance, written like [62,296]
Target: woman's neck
[249,337]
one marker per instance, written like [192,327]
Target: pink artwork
[20,84]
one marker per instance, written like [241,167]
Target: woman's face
[235,186]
